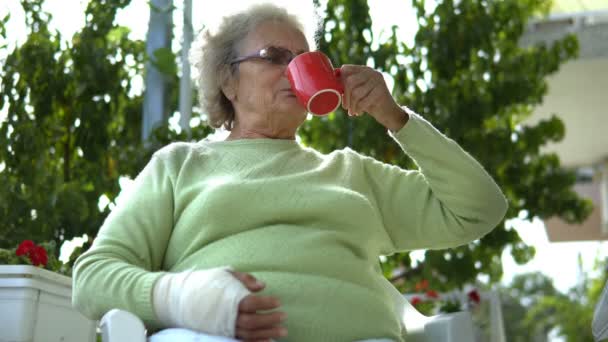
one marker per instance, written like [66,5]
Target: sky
[557,260]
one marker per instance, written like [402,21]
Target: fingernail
[259,283]
[283,332]
[283,317]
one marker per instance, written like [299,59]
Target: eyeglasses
[272,54]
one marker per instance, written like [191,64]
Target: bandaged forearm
[204,300]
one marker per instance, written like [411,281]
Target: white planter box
[36,306]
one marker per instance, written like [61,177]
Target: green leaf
[165,61]
[118,33]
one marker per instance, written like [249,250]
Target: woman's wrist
[202,300]
[395,119]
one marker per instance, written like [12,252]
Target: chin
[295,110]
[301,114]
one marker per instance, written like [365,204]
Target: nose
[285,69]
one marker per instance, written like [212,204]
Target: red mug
[315,82]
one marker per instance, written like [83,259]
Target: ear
[229,83]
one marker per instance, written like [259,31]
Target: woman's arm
[122,265]
[450,201]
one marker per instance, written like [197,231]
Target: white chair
[120,325]
[453,327]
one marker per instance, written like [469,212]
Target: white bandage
[204,300]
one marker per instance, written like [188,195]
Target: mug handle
[338,73]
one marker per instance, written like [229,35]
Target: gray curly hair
[213,52]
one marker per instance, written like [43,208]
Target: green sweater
[312,226]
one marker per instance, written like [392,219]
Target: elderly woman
[257,237]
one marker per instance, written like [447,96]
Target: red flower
[474,296]
[422,285]
[25,247]
[432,294]
[38,256]
[416,300]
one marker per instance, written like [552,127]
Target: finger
[347,70]
[250,282]
[258,321]
[261,334]
[379,100]
[358,95]
[351,83]
[253,303]
[372,99]
[368,103]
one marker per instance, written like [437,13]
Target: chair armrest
[120,325]
[453,327]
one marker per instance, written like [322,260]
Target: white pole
[185,83]
[159,36]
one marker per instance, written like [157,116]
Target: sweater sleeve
[122,265]
[450,201]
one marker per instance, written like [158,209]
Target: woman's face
[263,94]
